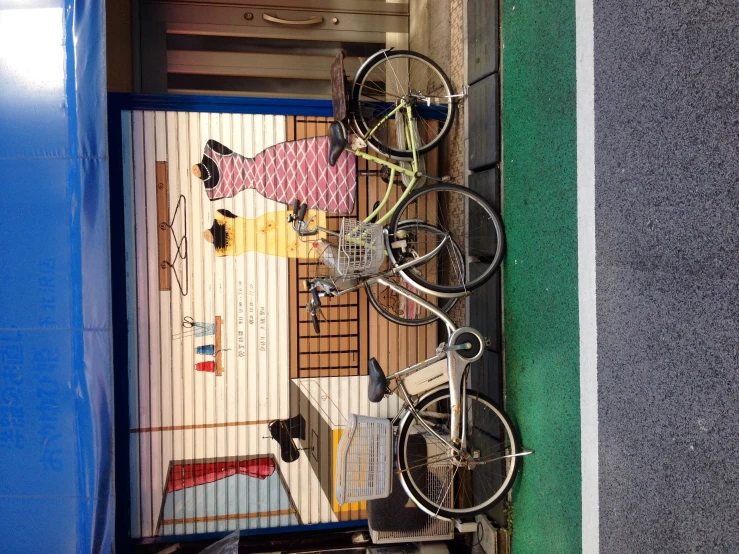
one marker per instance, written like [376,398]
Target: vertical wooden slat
[293,291]
[163,233]
[219,346]
[362,210]
[151,306]
[138,408]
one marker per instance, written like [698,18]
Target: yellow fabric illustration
[270,234]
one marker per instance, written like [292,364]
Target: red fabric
[210,367]
[183,476]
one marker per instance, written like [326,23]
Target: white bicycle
[455,450]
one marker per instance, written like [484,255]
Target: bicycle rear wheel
[399,309]
[476,249]
[396,75]
[451,488]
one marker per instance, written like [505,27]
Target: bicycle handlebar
[301,212]
[297,220]
[316,296]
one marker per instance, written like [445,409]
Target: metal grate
[435,529]
[342,345]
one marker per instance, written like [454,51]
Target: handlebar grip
[316,297]
[301,212]
[296,207]
[316,326]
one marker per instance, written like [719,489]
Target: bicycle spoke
[425,123]
[441,503]
[488,435]
[380,91]
[378,109]
[400,87]
[426,462]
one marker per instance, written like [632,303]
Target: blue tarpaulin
[56,403]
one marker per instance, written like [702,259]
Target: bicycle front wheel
[399,309]
[477,237]
[449,487]
[410,76]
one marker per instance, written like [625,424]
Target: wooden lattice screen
[354,331]
[342,345]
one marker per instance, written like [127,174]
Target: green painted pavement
[540,273]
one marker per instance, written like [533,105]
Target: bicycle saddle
[377,381]
[337,142]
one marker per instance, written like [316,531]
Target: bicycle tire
[478,233]
[392,308]
[369,102]
[429,478]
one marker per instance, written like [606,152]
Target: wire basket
[365,460]
[361,248]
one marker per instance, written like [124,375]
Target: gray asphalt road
[667,216]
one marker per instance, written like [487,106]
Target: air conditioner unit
[434,530]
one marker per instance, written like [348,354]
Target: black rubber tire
[363,126]
[482,240]
[469,482]
[445,304]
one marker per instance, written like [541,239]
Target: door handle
[314,20]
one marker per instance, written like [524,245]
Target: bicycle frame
[456,367]
[413,173]
[457,370]
[357,147]
[456,364]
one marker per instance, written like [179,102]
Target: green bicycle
[401,105]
